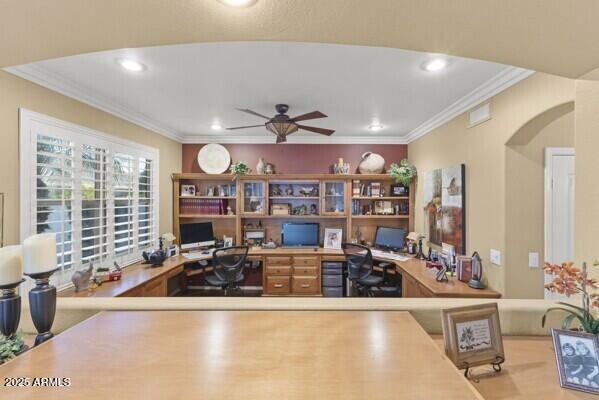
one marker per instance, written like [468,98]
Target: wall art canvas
[444,207]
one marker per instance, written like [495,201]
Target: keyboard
[197,255]
[388,256]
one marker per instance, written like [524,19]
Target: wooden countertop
[242,355]
[139,274]
[529,372]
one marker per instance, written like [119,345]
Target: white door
[559,208]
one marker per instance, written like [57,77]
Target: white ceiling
[187,88]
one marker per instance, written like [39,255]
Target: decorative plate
[214,158]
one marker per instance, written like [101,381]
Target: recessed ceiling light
[216,126]
[238,3]
[436,64]
[375,127]
[131,65]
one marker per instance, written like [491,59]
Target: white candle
[11,265]
[39,253]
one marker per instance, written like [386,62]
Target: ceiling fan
[282,126]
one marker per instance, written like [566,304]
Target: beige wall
[587,172]
[525,193]
[16,92]
[482,149]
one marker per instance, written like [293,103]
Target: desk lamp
[39,263]
[11,276]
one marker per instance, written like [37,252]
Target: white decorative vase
[371,163]
[260,166]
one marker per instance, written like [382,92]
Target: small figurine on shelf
[276,191]
[82,278]
[230,211]
[289,191]
[313,209]
[300,210]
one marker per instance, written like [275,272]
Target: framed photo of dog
[472,336]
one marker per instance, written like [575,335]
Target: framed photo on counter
[577,358]
[472,336]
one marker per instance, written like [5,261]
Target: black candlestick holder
[10,309]
[42,305]
[420,254]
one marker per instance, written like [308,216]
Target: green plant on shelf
[403,173]
[569,280]
[10,346]
[238,169]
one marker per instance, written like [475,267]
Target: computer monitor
[196,235]
[295,234]
[389,238]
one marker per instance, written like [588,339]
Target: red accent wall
[298,158]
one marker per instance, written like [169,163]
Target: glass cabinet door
[254,200]
[333,195]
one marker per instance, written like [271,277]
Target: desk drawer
[278,270]
[305,271]
[304,285]
[277,285]
[305,261]
[278,260]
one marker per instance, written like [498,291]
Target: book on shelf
[203,206]
[356,189]
[375,189]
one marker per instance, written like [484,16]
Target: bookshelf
[266,201]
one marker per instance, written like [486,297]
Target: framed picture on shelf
[577,358]
[472,335]
[332,238]
[188,190]
[398,190]
[227,241]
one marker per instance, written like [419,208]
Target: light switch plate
[533,260]
[495,257]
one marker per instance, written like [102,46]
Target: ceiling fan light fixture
[281,128]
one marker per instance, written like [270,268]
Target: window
[98,193]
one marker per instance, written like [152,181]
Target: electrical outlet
[533,260]
[495,257]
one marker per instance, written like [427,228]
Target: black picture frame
[398,190]
[567,368]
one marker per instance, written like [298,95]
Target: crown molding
[503,80]
[48,79]
[270,139]
[43,77]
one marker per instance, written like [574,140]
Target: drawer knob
[278,285]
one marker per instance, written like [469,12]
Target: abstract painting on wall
[444,207]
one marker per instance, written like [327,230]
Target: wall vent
[479,115]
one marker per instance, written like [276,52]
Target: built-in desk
[294,272]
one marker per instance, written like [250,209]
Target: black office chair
[228,263]
[360,267]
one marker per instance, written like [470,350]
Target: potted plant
[238,169]
[10,346]
[403,173]
[570,280]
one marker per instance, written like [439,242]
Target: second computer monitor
[389,238]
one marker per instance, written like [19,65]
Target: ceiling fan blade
[322,131]
[243,127]
[245,110]
[281,139]
[310,115]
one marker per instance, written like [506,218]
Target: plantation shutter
[97,193]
